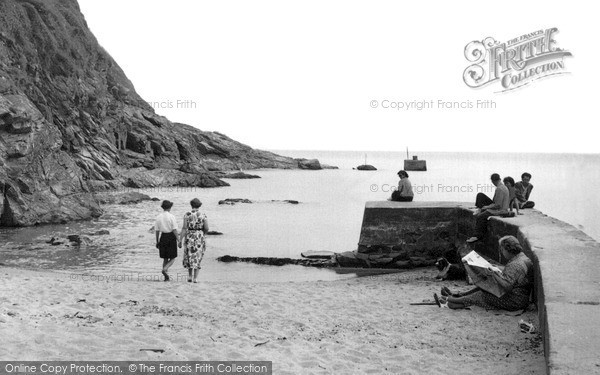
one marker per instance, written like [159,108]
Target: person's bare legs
[448,293]
[167,263]
[464,300]
[190,275]
[469,292]
[196,275]
[455,303]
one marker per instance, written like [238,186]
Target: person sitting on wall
[405,191]
[513,202]
[515,282]
[498,206]
[523,190]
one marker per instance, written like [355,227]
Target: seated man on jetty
[405,191]
[490,207]
[523,190]
[512,286]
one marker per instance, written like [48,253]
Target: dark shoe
[528,204]
[166,276]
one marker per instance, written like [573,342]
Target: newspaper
[474,259]
[481,272]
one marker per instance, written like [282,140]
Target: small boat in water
[414,164]
[366,167]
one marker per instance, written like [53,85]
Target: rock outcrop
[71,124]
[232,201]
[320,263]
[239,176]
[382,259]
[290,201]
[366,167]
[312,164]
[123,198]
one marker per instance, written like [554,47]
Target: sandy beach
[355,326]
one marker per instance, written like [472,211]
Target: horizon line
[441,152]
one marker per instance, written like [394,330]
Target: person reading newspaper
[507,289]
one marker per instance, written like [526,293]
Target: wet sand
[354,326]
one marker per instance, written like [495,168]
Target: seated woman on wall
[516,280]
[513,202]
[405,191]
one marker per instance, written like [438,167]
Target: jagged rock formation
[71,123]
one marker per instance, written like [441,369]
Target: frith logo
[515,63]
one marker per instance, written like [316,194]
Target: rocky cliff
[71,123]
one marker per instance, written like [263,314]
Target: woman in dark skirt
[167,238]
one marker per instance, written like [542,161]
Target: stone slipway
[567,272]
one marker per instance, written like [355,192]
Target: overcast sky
[303,75]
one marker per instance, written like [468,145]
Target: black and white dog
[450,271]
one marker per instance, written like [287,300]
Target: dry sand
[355,326]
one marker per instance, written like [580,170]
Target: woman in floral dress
[195,226]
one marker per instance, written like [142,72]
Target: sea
[328,217]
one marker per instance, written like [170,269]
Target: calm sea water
[328,217]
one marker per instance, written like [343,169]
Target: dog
[449,271]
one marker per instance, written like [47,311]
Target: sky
[331,75]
